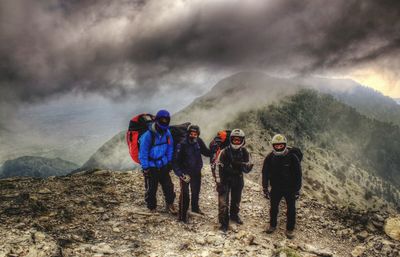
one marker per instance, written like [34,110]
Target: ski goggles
[237,140]
[279,147]
[164,121]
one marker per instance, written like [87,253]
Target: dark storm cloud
[119,48]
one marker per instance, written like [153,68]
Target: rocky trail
[102,213]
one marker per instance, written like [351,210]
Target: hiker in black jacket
[187,166]
[282,171]
[232,162]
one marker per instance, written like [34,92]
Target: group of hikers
[158,155]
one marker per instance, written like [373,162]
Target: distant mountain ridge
[245,91]
[31,166]
[371,103]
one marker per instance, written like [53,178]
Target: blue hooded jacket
[156,149]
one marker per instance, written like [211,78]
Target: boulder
[358,251]
[392,228]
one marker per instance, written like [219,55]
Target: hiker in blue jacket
[187,166]
[155,155]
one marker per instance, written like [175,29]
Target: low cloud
[135,47]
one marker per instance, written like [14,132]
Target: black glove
[168,167]
[297,195]
[145,172]
[247,167]
[266,193]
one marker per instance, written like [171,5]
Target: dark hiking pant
[184,198]
[232,186]
[275,199]
[152,179]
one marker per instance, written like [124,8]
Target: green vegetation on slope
[313,118]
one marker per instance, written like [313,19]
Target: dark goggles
[237,140]
[279,147]
[164,121]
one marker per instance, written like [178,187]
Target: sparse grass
[289,252]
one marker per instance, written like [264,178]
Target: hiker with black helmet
[233,161]
[155,155]
[282,171]
[187,166]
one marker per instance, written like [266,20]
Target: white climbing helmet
[237,138]
[279,144]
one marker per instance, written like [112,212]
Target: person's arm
[298,172]
[221,159]
[144,151]
[214,150]
[170,149]
[203,148]
[265,174]
[177,160]
[247,165]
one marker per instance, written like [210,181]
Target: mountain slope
[371,103]
[31,166]
[348,157]
[239,92]
[103,213]
[243,92]
[113,154]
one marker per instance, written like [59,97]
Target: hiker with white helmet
[282,171]
[233,161]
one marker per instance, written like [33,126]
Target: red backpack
[216,147]
[137,127]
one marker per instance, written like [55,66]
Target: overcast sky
[132,50]
[116,48]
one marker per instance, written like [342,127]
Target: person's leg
[183,201]
[151,189]
[236,194]
[195,185]
[291,211]
[275,198]
[167,186]
[223,203]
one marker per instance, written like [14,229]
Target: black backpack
[296,151]
[179,132]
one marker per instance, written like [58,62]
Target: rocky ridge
[102,213]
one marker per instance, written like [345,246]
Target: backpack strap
[153,140]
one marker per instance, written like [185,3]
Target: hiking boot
[171,209]
[223,228]
[270,230]
[184,220]
[237,219]
[152,210]
[198,211]
[289,234]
